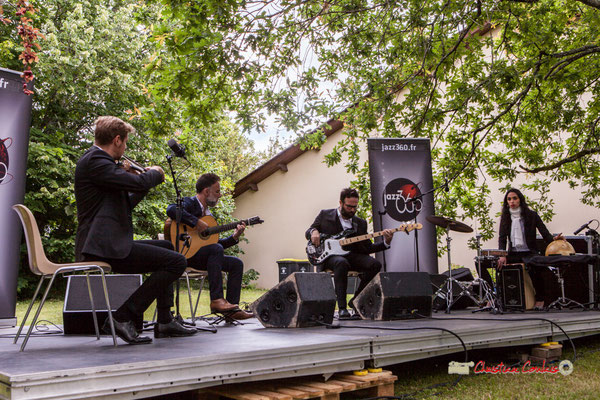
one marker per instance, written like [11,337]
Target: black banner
[400,171]
[15,119]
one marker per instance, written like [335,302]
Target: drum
[516,287]
[494,253]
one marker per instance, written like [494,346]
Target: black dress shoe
[172,329]
[344,314]
[126,331]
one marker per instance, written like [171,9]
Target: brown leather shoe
[241,314]
[222,305]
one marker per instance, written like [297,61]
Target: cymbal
[448,223]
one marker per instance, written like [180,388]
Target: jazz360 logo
[402,199]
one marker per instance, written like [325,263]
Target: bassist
[211,258]
[334,221]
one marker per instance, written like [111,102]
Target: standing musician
[518,224]
[334,221]
[106,194]
[211,257]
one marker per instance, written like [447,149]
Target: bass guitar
[332,245]
[190,240]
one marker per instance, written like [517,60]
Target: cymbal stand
[450,280]
[478,239]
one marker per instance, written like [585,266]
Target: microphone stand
[381,214]
[178,216]
[178,213]
[419,197]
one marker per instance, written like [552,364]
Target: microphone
[582,227]
[178,150]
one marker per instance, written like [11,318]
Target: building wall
[289,202]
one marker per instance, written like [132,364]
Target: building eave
[279,162]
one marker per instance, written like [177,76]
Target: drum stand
[562,301]
[450,300]
[486,293]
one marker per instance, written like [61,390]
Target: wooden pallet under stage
[369,385]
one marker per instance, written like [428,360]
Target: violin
[131,165]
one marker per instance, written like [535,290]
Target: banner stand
[400,173]
[15,120]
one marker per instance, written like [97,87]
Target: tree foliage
[501,87]
[91,63]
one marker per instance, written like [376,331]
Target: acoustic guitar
[190,240]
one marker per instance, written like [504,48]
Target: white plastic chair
[40,265]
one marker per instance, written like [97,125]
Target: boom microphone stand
[178,237]
[178,213]
[410,201]
[381,214]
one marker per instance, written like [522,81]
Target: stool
[198,275]
[353,274]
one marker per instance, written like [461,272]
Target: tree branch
[591,3]
[574,157]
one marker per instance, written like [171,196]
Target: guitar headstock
[410,227]
[254,221]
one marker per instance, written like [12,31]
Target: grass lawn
[415,378]
[53,308]
[583,383]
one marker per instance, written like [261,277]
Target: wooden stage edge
[80,367]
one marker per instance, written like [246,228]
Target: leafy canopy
[500,87]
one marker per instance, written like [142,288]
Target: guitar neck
[360,238]
[223,228]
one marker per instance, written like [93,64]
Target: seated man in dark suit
[211,257]
[334,221]
[106,194]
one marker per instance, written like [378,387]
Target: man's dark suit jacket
[328,222]
[105,195]
[192,211]
[531,221]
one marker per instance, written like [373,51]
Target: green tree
[501,87]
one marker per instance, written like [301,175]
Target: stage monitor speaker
[300,300]
[77,312]
[395,295]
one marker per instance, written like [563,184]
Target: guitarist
[211,257]
[334,221]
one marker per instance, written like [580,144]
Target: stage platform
[79,367]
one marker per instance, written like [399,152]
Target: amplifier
[77,312]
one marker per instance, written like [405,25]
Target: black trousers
[212,259]
[157,257]
[365,265]
[535,272]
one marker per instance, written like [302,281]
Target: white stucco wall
[289,202]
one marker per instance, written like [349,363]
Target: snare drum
[494,253]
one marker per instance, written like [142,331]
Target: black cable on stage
[409,395]
[40,329]
[509,320]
